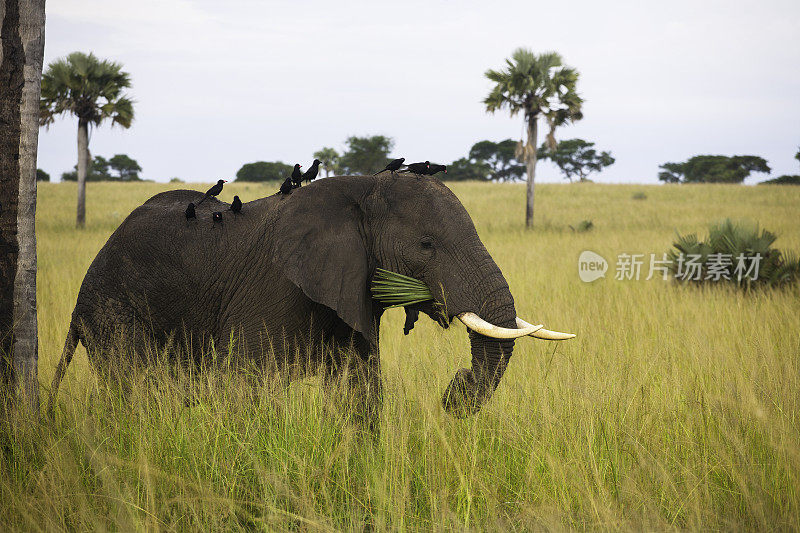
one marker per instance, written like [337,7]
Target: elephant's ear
[320,244]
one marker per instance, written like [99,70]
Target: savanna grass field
[675,408]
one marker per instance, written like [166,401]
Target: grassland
[675,408]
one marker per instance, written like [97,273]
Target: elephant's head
[332,235]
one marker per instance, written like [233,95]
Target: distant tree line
[503,161]
[576,158]
[486,161]
[712,169]
[786,179]
[119,168]
[264,171]
[362,155]
[721,169]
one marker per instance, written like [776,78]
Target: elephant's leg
[353,379]
[368,391]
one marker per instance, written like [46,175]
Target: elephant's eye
[426,243]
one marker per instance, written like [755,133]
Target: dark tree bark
[21,55]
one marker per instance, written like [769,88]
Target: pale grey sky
[220,84]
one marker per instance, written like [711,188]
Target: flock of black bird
[297,178]
[425,168]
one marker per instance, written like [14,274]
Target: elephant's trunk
[471,387]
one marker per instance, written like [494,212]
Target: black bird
[217,216]
[297,176]
[435,169]
[393,166]
[190,211]
[312,171]
[418,168]
[236,205]
[286,186]
[213,191]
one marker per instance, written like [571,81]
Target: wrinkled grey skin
[291,274]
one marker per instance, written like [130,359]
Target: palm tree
[329,158]
[90,89]
[20,74]
[535,85]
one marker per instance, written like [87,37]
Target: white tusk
[479,325]
[542,333]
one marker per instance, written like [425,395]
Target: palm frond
[535,84]
[85,86]
[396,290]
[734,240]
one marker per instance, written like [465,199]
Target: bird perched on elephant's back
[297,176]
[418,168]
[214,191]
[311,174]
[293,277]
[435,168]
[236,205]
[286,186]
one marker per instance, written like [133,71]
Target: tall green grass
[674,408]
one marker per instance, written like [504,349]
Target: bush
[734,252]
[264,171]
[582,226]
[786,179]
[639,196]
[41,175]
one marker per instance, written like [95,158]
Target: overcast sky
[220,84]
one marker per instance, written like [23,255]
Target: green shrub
[582,226]
[734,252]
[639,196]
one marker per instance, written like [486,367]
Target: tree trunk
[21,58]
[530,164]
[83,167]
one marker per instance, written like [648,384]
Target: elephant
[290,274]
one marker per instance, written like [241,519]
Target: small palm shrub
[734,252]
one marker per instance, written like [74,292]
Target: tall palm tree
[21,53]
[91,89]
[535,85]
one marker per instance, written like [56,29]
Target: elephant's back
[158,267]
